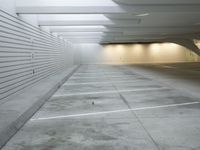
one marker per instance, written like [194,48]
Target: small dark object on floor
[92,103]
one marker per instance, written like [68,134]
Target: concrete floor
[114,108]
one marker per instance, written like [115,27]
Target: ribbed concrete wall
[28,55]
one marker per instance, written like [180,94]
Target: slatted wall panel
[27,55]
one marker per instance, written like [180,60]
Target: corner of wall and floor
[34,63]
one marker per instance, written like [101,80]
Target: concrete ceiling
[116,21]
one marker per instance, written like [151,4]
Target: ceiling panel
[117,20]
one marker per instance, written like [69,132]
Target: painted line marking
[102,72]
[104,76]
[169,67]
[115,111]
[109,82]
[112,91]
[182,69]
[87,77]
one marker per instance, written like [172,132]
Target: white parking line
[105,76]
[111,91]
[75,77]
[108,82]
[97,72]
[169,67]
[114,111]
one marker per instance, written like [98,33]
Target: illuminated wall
[135,53]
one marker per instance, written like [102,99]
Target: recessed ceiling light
[142,15]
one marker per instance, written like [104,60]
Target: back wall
[134,53]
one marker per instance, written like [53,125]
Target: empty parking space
[104,107]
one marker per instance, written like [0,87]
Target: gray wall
[28,55]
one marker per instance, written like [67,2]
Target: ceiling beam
[68,9]
[156,2]
[161,8]
[121,23]
[78,30]
[106,9]
[89,34]
[73,23]
[126,30]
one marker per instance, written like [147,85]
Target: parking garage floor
[107,107]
